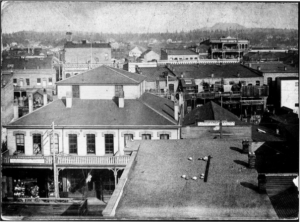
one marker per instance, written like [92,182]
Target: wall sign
[27,160]
[216,123]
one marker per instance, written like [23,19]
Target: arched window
[68,75]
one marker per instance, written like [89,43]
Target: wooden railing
[73,160]
[93,160]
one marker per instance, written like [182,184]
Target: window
[68,75]
[269,80]
[15,81]
[20,143]
[258,83]
[28,82]
[54,142]
[109,144]
[196,58]
[171,88]
[21,82]
[127,138]
[146,137]
[73,143]
[50,81]
[38,81]
[90,143]
[37,143]
[118,89]
[164,136]
[191,58]
[186,58]
[75,91]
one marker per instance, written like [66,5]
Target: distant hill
[225,26]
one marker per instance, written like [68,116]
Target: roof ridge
[146,104]
[213,110]
[77,75]
[120,73]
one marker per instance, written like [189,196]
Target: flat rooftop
[156,190]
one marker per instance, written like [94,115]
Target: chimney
[212,75]
[285,68]
[121,99]
[16,109]
[30,103]
[245,146]
[45,97]
[69,36]
[258,68]
[176,110]
[69,100]
[262,182]
[251,160]
[250,65]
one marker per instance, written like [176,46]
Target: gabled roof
[210,111]
[156,190]
[162,105]
[104,75]
[96,113]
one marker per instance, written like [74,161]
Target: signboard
[27,160]
[216,123]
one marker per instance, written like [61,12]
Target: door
[44,83]
[75,91]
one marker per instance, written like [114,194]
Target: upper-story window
[50,81]
[109,143]
[21,82]
[38,81]
[15,81]
[37,143]
[257,83]
[20,143]
[73,143]
[90,143]
[164,136]
[118,89]
[54,142]
[68,75]
[127,138]
[146,137]
[28,82]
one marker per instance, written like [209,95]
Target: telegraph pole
[54,165]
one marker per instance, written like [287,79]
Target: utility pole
[54,165]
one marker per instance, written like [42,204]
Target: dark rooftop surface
[162,105]
[210,111]
[19,63]
[104,75]
[86,45]
[269,135]
[93,113]
[266,55]
[180,52]
[274,68]
[155,189]
[152,73]
[219,71]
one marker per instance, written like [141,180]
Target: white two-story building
[96,114]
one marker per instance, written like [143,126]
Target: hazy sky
[142,17]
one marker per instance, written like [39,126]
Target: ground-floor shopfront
[73,183]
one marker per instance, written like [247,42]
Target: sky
[142,17]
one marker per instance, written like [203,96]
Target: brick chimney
[262,182]
[246,145]
[45,97]
[251,160]
[16,109]
[121,99]
[69,100]
[30,103]
[176,110]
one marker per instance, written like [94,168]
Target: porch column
[115,171]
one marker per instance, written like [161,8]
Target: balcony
[22,161]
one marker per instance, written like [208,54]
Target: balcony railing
[66,160]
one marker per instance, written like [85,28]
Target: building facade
[178,54]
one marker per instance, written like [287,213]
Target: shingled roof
[104,75]
[210,111]
[156,190]
[93,113]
